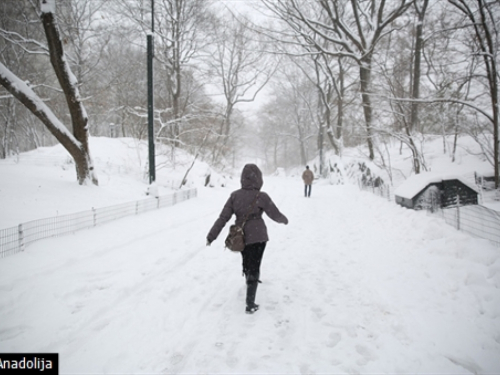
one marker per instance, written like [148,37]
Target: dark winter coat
[240,203]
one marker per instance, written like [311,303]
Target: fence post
[458,212]
[480,188]
[94,216]
[21,236]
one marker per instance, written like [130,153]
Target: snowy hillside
[42,183]
[354,283]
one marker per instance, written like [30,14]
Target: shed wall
[449,190]
[454,188]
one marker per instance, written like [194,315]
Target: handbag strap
[251,209]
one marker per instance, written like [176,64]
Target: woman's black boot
[252,283]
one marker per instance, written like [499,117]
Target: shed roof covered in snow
[415,184]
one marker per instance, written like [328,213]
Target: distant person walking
[249,200]
[308,178]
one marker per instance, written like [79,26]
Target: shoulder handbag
[235,240]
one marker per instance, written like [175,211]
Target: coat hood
[251,177]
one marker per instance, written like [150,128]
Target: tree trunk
[302,146]
[327,116]
[365,78]
[340,102]
[79,119]
[416,64]
[32,102]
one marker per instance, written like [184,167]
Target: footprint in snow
[333,339]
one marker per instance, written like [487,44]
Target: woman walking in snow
[249,200]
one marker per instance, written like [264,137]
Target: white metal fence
[476,220]
[383,191]
[15,239]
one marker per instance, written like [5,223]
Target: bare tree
[291,112]
[86,34]
[20,32]
[178,39]
[352,29]
[333,94]
[329,75]
[397,75]
[483,16]
[240,68]
[125,99]
[76,143]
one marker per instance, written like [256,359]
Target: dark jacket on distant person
[240,203]
[308,176]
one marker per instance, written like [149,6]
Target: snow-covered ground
[354,284]
[41,183]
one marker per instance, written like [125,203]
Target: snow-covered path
[354,284]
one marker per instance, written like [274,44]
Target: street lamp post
[151,139]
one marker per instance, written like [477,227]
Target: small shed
[432,190]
